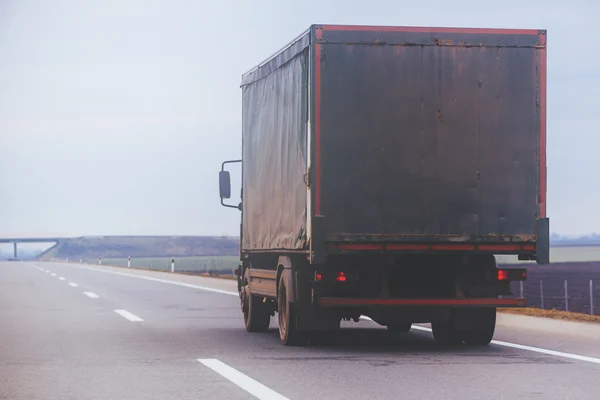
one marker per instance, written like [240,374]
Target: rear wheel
[257,315]
[399,327]
[288,331]
[484,325]
[445,333]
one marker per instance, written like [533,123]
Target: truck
[383,170]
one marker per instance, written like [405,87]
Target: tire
[445,332]
[257,315]
[484,321]
[288,332]
[321,338]
[399,327]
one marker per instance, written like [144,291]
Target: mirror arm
[239,207]
[229,162]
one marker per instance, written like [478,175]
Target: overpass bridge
[16,241]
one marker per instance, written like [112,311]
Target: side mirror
[224,185]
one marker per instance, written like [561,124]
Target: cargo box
[359,138]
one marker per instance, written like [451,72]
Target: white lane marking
[520,346]
[127,315]
[53,274]
[61,279]
[415,327]
[91,295]
[73,284]
[546,351]
[187,285]
[251,386]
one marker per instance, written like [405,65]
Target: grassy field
[554,314]
[560,255]
[576,265]
[557,255]
[201,264]
[227,263]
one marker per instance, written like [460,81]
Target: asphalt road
[111,333]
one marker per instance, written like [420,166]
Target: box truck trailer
[383,169]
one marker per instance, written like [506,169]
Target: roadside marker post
[521,287]
[591,297]
[566,297]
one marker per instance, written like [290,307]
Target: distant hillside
[592,240]
[142,246]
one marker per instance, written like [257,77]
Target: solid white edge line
[520,346]
[129,316]
[91,295]
[149,278]
[251,386]
[416,327]
[546,351]
[73,284]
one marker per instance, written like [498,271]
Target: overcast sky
[116,115]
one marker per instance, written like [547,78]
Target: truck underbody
[458,293]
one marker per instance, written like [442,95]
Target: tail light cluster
[339,276]
[512,274]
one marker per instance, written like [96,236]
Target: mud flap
[543,241]
[238,274]
[308,316]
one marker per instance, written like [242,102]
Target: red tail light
[502,275]
[318,276]
[512,274]
[340,277]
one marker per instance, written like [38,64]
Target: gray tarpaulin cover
[274,158]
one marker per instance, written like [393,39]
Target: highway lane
[59,343]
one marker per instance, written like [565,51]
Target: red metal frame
[517,247]
[543,167]
[317,155]
[418,29]
[354,301]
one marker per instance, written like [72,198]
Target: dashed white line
[251,386]
[91,295]
[415,327]
[53,274]
[127,315]
[73,284]
[61,279]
